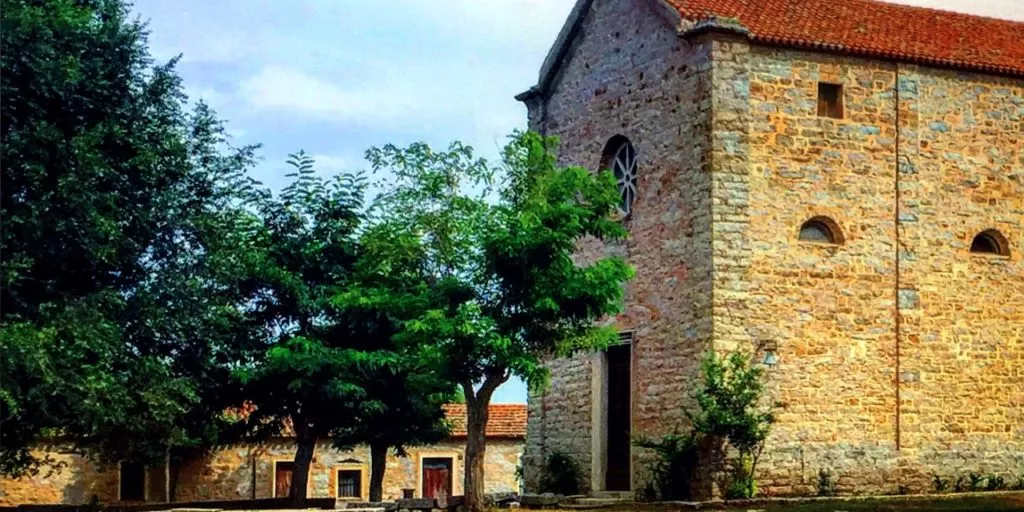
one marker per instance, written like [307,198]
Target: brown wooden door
[437,477]
[283,478]
[618,469]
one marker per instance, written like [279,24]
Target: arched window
[822,230]
[620,156]
[990,242]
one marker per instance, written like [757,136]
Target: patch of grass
[972,504]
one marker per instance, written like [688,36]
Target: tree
[499,289]
[123,231]
[308,248]
[729,411]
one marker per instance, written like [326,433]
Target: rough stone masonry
[900,351]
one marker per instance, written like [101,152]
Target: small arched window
[821,230]
[620,156]
[990,242]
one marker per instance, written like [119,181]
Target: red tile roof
[504,420]
[874,29]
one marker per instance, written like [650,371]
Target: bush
[994,483]
[939,484]
[826,487]
[728,413]
[741,485]
[974,484]
[1019,486]
[561,475]
[675,467]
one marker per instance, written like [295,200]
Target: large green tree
[307,244]
[499,289]
[122,242]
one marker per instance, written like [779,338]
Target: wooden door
[617,471]
[437,477]
[283,478]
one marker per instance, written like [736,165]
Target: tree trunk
[300,474]
[477,410]
[378,464]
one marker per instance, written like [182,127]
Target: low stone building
[249,471]
[835,186]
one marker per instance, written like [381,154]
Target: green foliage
[975,481]
[561,475]
[741,485]
[939,484]
[1019,486]
[729,413]
[960,485]
[676,464]
[481,264]
[826,486]
[123,235]
[995,483]
[729,409]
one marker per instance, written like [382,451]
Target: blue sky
[334,77]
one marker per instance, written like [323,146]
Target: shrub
[675,466]
[939,484]
[561,475]
[960,485]
[903,490]
[741,484]
[974,484]
[826,487]
[1019,486]
[729,409]
[647,493]
[994,483]
[728,412]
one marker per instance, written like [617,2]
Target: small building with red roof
[263,470]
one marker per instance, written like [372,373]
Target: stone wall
[227,473]
[901,354]
[833,309]
[627,73]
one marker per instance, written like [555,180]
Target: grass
[965,504]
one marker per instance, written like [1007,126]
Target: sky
[335,77]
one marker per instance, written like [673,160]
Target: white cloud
[333,163]
[277,87]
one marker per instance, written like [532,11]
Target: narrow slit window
[830,100]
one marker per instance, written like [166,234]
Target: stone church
[833,186]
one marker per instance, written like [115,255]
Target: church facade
[833,186]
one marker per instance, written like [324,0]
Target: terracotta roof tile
[504,420]
[874,29]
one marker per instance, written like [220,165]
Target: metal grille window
[350,483]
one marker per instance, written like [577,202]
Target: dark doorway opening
[133,481]
[437,477]
[618,471]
